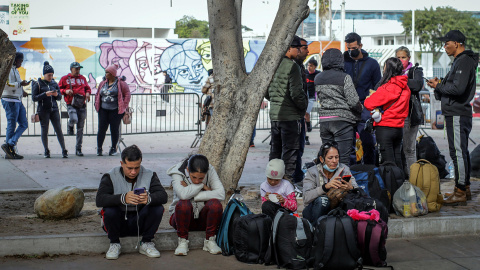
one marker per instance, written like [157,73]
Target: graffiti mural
[142,63]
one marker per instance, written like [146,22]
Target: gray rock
[60,203]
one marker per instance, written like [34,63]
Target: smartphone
[346,178]
[426,80]
[139,191]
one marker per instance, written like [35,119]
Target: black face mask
[354,53]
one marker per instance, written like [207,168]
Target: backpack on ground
[475,161]
[392,176]
[358,199]
[372,234]
[234,210]
[427,149]
[425,176]
[291,242]
[251,237]
[410,201]
[369,179]
[335,242]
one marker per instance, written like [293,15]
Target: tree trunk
[237,95]
[7,56]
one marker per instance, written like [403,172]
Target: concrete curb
[167,239]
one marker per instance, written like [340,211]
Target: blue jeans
[319,207]
[15,113]
[341,133]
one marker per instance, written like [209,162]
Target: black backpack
[393,178]
[335,242]
[290,242]
[358,199]
[234,210]
[251,237]
[368,177]
[427,149]
[475,162]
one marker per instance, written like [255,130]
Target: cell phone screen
[346,178]
[138,191]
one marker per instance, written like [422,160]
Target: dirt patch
[17,217]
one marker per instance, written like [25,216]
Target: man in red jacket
[75,89]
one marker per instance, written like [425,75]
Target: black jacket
[106,198]
[311,84]
[365,73]
[45,103]
[457,89]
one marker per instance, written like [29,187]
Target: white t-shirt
[283,188]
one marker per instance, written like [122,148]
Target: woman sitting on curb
[196,206]
[277,192]
[321,178]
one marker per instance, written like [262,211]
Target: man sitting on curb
[132,198]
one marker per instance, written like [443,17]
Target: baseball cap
[454,35]
[75,65]
[296,42]
[275,169]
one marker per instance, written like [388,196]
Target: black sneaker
[112,152]
[65,154]
[309,126]
[14,153]
[78,152]
[6,149]
[70,130]
[307,142]
[47,154]
[99,152]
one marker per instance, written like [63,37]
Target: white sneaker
[148,248]
[211,246]
[182,248]
[113,251]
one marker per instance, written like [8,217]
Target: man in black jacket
[132,199]
[456,91]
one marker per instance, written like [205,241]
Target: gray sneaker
[113,251]
[148,248]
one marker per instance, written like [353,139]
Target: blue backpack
[368,178]
[234,210]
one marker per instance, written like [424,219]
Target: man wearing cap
[14,109]
[456,91]
[75,86]
[288,104]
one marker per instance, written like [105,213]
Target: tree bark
[7,56]
[237,95]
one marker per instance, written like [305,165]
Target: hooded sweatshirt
[78,84]
[457,89]
[365,73]
[336,93]
[194,192]
[394,92]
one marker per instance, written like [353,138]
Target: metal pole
[152,66]
[317,14]
[342,46]
[412,59]
[330,15]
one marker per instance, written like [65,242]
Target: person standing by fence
[111,101]
[46,93]
[76,91]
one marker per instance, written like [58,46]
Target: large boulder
[60,203]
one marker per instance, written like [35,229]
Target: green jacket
[288,101]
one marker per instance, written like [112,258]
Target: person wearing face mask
[456,91]
[365,73]
[327,174]
[46,93]
[412,122]
[196,205]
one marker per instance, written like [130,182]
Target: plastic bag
[410,201]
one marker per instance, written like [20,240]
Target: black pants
[341,133]
[269,208]
[285,144]
[108,118]
[54,117]
[458,130]
[149,218]
[389,141]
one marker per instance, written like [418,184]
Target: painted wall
[185,60]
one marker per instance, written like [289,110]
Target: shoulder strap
[70,82]
[329,239]
[374,242]
[361,231]
[278,215]
[300,231]
[349,234]
[411,71]
[394,101]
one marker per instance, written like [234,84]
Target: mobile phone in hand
[139,191]
[426,80]
[346,178]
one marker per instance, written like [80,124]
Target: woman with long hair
[390,101]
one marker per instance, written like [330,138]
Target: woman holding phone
[46,93]
[328,174]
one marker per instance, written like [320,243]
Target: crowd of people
[111,102]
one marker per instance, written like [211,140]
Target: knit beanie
[47,68]
[112,69]
[275,169]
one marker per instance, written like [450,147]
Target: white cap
[275,169]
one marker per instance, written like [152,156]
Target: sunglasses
[324,148]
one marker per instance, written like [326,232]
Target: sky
[259,14]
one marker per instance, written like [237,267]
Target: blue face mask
[328,169]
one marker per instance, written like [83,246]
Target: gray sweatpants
[77,116]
